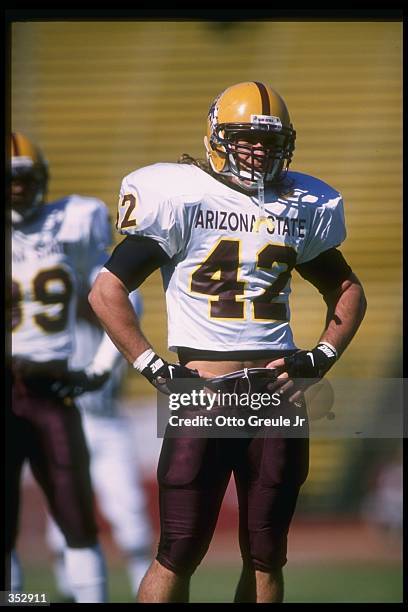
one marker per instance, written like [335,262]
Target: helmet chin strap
[262,218]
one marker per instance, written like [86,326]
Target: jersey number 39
[52,287]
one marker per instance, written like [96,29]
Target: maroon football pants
[193,474]
[49,434]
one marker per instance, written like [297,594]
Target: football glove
[76,382]
[166,376]
[311,364]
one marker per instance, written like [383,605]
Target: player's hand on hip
[283,383]
[163,375]
[302,369]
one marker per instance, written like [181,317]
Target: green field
[316,583]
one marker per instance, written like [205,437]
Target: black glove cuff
[311,364]
[166,376]
[154,368]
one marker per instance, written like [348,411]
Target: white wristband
[330,346]
[142,361]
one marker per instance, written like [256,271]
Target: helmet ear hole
[216,155]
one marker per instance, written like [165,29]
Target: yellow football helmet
[29,176]
[249,135]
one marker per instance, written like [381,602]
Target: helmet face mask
[29,178]
[258,147]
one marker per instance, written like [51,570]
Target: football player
[114,475]
[57,249]
[227,234]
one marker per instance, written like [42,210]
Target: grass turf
[314,583]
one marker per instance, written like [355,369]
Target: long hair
[283,186]
[203,164]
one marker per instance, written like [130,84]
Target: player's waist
[187,354]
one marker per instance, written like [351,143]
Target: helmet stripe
[266,106]
[15,150]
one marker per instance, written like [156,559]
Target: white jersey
[104,401]
[55,256]
[228,283]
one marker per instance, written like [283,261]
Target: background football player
[227,235]
[115,476]
[57,249]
